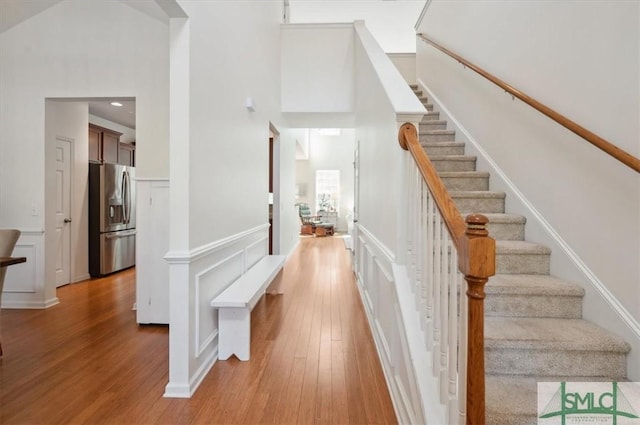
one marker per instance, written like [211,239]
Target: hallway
[313,360]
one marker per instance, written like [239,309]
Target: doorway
[67,157]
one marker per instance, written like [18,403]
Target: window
[327,190]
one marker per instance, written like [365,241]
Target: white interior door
[63,211]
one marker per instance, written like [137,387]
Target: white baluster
[437,305]
[462,353]
[429,270]
[444,313]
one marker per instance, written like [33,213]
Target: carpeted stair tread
[453,158]
[550,333]
[521,247]
[443,147]
[505,218]
[441,144]
[467,174]
[465,180]
[432,132]
[477,194]
[526,284]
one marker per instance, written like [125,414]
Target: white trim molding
[195,254]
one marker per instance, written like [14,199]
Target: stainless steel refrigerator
[112,218]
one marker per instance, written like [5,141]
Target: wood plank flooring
[86,361]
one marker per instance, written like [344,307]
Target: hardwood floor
[313,360]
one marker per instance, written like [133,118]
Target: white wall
[390,22]
[329,153]
[223,53]
[229,143]
[582,59]
[76,49]
[317,68]
[406,64]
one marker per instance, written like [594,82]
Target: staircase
[534,331]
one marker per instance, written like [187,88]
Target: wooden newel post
[478,263]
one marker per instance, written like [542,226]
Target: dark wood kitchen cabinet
[105,146]
[127,154]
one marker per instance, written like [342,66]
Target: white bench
[235,303]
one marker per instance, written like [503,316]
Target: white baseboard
[30,305]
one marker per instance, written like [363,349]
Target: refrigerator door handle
[128,197]
[121,234]
[125,195]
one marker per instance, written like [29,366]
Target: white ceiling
[12,12]
[124,115]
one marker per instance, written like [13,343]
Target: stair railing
[443,249]
[602,144]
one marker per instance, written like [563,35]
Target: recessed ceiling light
[116,104]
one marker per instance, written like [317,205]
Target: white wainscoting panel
[24,283]
[208,284]
[256,250]
[152,243]
[377,285]
[212,268]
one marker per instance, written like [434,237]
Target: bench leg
[234,333]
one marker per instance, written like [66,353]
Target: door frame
[276,189]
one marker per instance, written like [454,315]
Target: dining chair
[8,239]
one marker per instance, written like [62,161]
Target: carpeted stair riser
[516,305]
[554,362]
[443,148]
[431,116]
[522,295]
[428,106]
[506,227]
[453,163]
[437,136]
[549,346]
[479,201]
[465,180]
[432,125]
[518,257]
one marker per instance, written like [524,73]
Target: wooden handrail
[476,260]
[621,155]
[408,138]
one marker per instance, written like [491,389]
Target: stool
[324,230]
